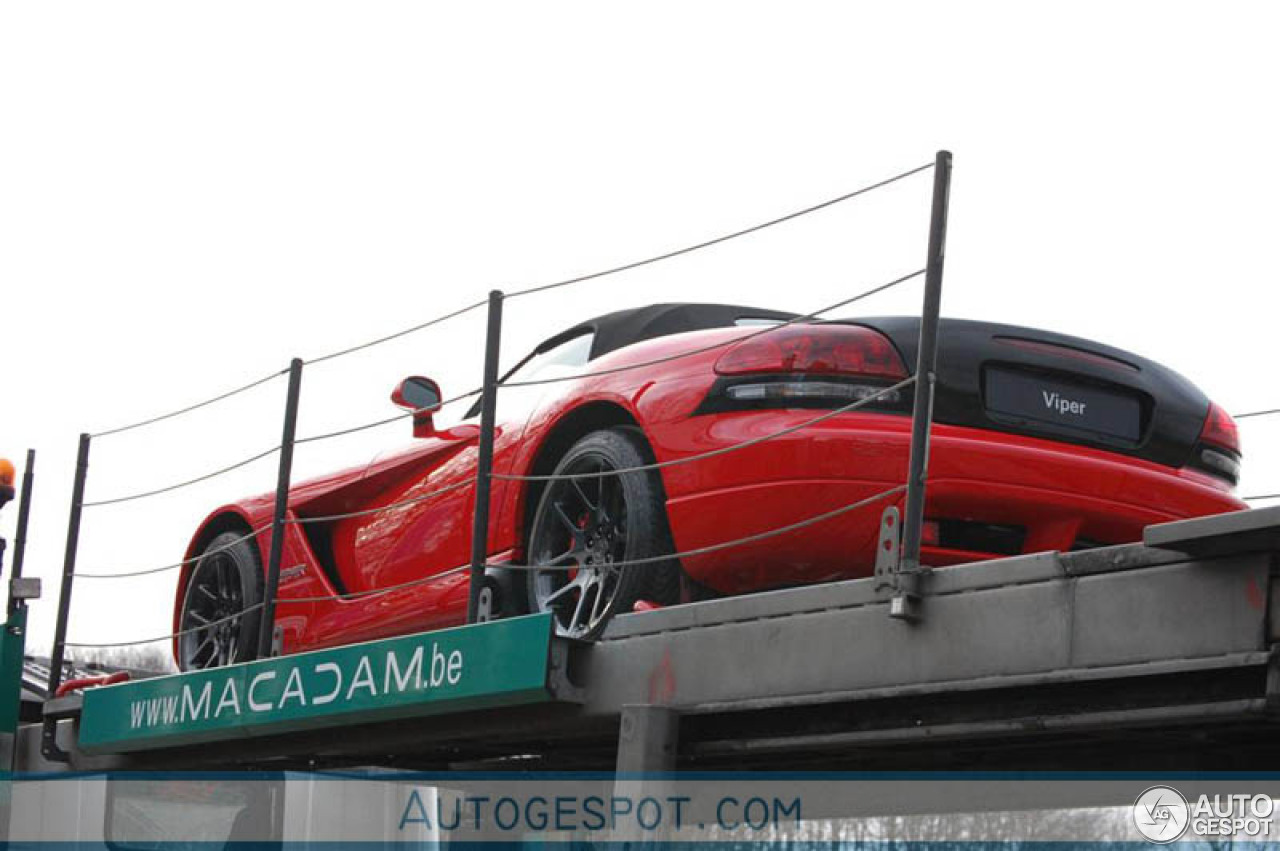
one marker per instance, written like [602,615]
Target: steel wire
[187,483]
[724,450]
[168,637]
[713,346]
[712,548]
[397,418]
[255,533]
[373,592]
[760,536]
[189,408]
[380,340]
[523,292]
[720,239]
[264,454]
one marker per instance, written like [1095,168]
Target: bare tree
[138,658]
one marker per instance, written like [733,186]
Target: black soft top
[624,327]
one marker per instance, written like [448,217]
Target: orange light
[6,472]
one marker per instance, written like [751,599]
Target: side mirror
[422,396]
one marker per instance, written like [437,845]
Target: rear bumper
[1059,494]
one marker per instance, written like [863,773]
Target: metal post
[648,741]
[266,626]
[484,458]
[14,638]
[648,738]
[48,738]
[922,414]
[20,535]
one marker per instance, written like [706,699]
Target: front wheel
[584,527]
[216,627]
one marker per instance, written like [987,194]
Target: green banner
[13,642]
[491,664]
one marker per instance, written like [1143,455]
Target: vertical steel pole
[266,626]
[926,366]
[24,514]
[484,458]
[13,641]
[48,738]
[69,566]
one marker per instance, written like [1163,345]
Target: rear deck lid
[1026,381]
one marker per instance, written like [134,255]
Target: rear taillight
[1219,445]
[809,366]
[1220,430]
[815,350]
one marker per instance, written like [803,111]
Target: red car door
[406,544]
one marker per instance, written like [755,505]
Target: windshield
[558,360]
[561,359]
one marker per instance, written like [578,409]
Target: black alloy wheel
[216,627]
[586,529]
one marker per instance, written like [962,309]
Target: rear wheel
[216,628]
[583,528]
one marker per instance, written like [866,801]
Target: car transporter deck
[1158,656]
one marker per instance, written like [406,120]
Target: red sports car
[1040,442]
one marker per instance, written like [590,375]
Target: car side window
[558,360]
[570,354]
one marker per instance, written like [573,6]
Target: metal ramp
[1155,656]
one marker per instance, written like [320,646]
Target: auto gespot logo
[1162,814]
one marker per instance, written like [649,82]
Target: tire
[582,526]
[225,580]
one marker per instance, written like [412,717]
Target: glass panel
[568,355]
[160,815]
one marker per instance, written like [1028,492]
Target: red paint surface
[1057,491]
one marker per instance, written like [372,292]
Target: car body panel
[1057,494]
[1060,493]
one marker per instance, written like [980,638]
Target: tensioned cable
[759,536]
[270,451]
[353,429]
[446,317]
[171,635]
[724,450]
[1261,496]
[401,504]
[187,483]
[713,346]
[274,375]
[228,545]
[1255,414]
[373,592]
[528,291]
[884,391]
[190,408]
[717,240]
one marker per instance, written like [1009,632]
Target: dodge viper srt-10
[1040,442]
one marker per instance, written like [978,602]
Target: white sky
[190,194]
